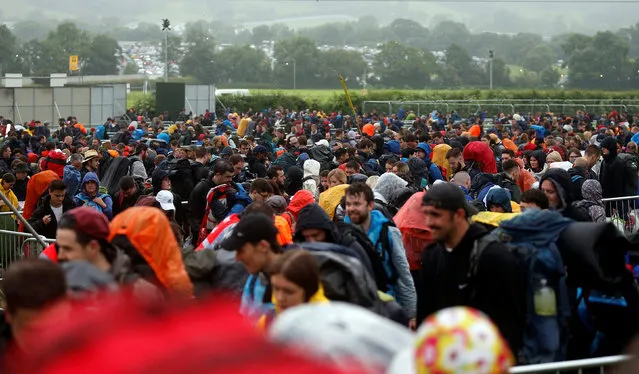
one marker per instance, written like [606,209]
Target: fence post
[23,220]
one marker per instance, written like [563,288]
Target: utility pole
[294,74]
[491,54]
[166,27]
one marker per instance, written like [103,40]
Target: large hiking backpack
[607,300]
[632,173]
[344,278]
[532,238]
[321,154]
[221,201]
[350,231]
[285,160]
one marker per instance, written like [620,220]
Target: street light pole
[294,75]
[491,55]
[166,27]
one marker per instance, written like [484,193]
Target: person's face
[505,157]
[486,140]
[237,168]
[57,197]
[253,256]
[94,163]
[71,250]
[260,196]
[342,159]
[314,235]
[357,209]
[286,293]
[439,140]
[573,157]
[130,192]
[411,144]
[332,182]
[95,142]
[526,206]
[455,163]
[389,168]
[244,149]
[21,175]
[549,189]
[442,223]
[497,209]
[324,182]
[280,177]
[91,188]
[225,178]
[350,172]
[605,151]
[533,163]
[516,172]
[68,140]
[6,153]
[7,186]
[166,184]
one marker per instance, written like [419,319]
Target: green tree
[335,62]
[448,32]
[243,64]
[131,69]
[539,58]
[8,51]
[575,42]
[101,56]
[199,56]
[602,63]
[31,29]
[459,69]
[260,34]
[549,77]
[401,66]
[296,60]
[405,29]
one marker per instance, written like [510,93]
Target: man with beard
[276,174]
[455,160]
[387,239]
[495,288]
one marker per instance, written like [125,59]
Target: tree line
[405,57]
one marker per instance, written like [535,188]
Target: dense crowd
[339,235]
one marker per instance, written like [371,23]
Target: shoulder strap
[386,248]
[478,248]
[576,178]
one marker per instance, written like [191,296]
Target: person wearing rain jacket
[91,196]
[424,151]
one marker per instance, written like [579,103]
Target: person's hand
[412,324]
[46,219]
[100,202]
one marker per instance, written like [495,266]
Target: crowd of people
[375,243]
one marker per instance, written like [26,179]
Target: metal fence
[493,106]
[600,365]
[623,213]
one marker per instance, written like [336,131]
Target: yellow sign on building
[73,63]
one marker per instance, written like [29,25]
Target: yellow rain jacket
[330,199]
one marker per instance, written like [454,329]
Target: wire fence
[623,213]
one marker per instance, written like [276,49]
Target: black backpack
[348,230]
[322,155]
[632,169]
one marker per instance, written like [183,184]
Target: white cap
[323,142]
[165,198]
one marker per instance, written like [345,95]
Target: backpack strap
[386,248]
[478,249]
[576,178]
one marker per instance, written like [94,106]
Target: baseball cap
[165,198]
[445,196]
[251,229]
[90,222]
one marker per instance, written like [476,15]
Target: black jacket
[498,287]
[612,175]
[43,209]
[314,217]
[577,177]
[197,204]
[121,203]
[506,183]
[256,167]
[561,181]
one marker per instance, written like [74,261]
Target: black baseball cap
[251,229]
[446,196]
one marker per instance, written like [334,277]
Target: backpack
[532,239]
[285,160]
[118,168]
[221,201]
[632,173]
[352,232]
[322,155]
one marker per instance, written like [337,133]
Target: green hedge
[606,100]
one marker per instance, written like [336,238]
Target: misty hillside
[544,18]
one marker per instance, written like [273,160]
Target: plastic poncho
[150,233]
[37,185]
[439,159]
[331,198]
[481,153]
[415,234]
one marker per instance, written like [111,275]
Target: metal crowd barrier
[16,245]
[623,212]
[603,364]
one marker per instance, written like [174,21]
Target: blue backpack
[532,238]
